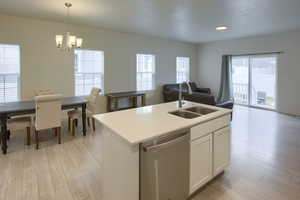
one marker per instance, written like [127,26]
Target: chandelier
[67,41]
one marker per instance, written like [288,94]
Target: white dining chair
[75,115]
[47,115]
[20,123]
[24,122]
[95,106]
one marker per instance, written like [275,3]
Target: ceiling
[185,20]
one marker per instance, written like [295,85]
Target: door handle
[166,144]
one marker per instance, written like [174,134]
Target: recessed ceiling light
[221,28]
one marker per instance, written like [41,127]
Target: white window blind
[9,73]
[89,71]
[145,72]
[182,69]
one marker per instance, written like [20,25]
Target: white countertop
[145,123]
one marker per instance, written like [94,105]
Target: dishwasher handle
[166,144]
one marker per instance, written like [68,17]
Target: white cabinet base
[120,172]
[209,151]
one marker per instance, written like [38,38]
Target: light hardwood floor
[265,163]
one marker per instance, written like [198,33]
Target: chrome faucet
[180,102]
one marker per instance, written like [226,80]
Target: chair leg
[59,134]
[69,123]
[88,121]
[37,139]
[73,127]
[8,134]
[55,132]
[94,125]
[28,136]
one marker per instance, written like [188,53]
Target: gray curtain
[225,91]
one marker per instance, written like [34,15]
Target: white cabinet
[200,162]
[209,151]
[221,150]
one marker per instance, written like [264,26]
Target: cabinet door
[200,162]
[221,149]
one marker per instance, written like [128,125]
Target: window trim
[189,68]
[19,74]
[102,87]
[153,71]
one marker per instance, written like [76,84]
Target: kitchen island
[128,134]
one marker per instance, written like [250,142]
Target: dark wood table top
[23,106]
[126,94]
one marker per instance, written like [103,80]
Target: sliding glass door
[240,79]
[263,81]
[254,80]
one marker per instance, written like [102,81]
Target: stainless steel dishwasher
[164,168]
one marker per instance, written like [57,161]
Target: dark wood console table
[113,100]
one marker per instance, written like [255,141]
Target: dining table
[12,109]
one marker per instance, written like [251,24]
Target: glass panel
[263,79]
[139,81]
[145,71]
[240,79]
[89,71]
[182,69]
[147,81]
[9,72]
[2,88]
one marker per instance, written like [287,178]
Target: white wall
[43,66]
[209,60]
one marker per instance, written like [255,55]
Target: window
[89,71]
[145,68]
[9,73]
[254,80]
[182,69]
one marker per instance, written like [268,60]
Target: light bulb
[59,40]
[79,42]
[72,40]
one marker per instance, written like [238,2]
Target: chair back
[101,104]
[92,100]
[48,111]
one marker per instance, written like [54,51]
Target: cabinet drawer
[209,127]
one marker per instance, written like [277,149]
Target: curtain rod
[262,53]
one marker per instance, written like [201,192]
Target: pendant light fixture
[67,41]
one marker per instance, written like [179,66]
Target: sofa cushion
[200,98]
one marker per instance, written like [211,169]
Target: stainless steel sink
[192,112]
[200,110]
[185,114]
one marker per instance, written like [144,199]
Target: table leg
[143,100]
[135,102]
[4,133]
[84,119]
[108,105]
